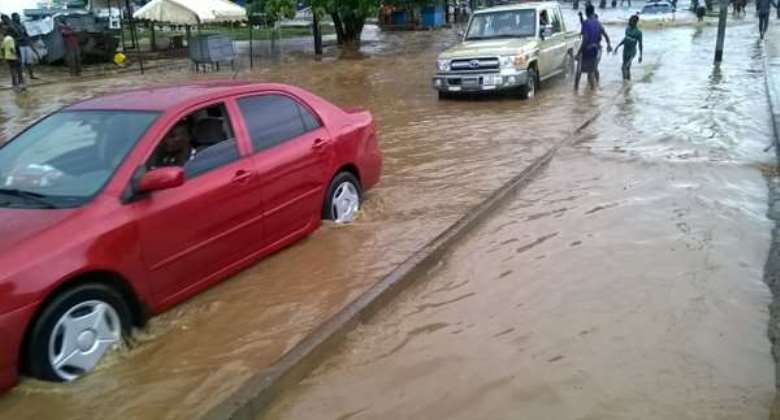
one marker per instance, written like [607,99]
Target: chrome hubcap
[345,203]
[531,88]
[82,336]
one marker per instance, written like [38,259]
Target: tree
[349,17]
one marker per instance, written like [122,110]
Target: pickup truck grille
[490,63]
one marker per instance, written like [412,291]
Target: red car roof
[162,98]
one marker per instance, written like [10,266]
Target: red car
[118,207]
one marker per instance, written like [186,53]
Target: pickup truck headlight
[443,65]
[511,61]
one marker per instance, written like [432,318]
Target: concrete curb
[257,392]
[773,90]
[772,266]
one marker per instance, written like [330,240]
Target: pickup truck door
[552,50]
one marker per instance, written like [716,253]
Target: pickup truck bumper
[479,82]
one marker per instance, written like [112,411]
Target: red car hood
[16,225]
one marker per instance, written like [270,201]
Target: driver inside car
[175,149]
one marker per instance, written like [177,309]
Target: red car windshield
[65,159]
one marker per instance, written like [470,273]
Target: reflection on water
[624,282]
[441,158]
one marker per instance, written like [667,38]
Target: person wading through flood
[590,49]
[764,7]
[72,49]
[24,45]
[9,55]
[629,43]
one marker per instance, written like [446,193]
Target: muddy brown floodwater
[599,310]
[441,158]
[624,283]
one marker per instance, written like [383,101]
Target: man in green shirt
[629,43]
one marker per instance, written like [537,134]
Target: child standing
[8,53]
[629,43]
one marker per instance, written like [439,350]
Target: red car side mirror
[161,179]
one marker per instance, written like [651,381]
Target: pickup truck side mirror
[546,32]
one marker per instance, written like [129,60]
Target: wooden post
[317,34]
[251,50]
[154,39]
[724,9]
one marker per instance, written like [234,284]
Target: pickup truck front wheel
[528,91]
[569,67]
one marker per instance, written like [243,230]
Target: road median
[255,394]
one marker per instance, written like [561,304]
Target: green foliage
[279,9]
[361,8]
[410,4]
[271,10]
[349,16]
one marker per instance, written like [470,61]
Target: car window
[544,19]
[554,21]
[70,155]
[199,142]
[310,122]
[274,119]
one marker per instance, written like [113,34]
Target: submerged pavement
[625,282]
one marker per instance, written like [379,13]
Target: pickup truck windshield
[505,24]
[63,160]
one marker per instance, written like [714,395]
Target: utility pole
[724,9]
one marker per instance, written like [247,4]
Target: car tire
[75,331]
[343,198]
[528,91]
[569,67]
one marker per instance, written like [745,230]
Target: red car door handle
[243,176]
[319,143]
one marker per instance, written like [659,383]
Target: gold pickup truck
[508,48]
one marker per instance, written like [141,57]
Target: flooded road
[667,186]
[441,158]
[624,282]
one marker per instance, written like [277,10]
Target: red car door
[292,155]
[193,232]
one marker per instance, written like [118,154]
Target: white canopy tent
[191,12]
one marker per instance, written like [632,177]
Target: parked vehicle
[657,7]
[121,206]
[508,48]
[661,13]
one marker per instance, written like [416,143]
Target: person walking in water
[764,7]
[72,49]
[9,55]
[629,43]
[24,46]
[590,50]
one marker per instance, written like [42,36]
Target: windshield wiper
[29,196]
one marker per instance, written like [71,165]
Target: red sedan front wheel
[75,331]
